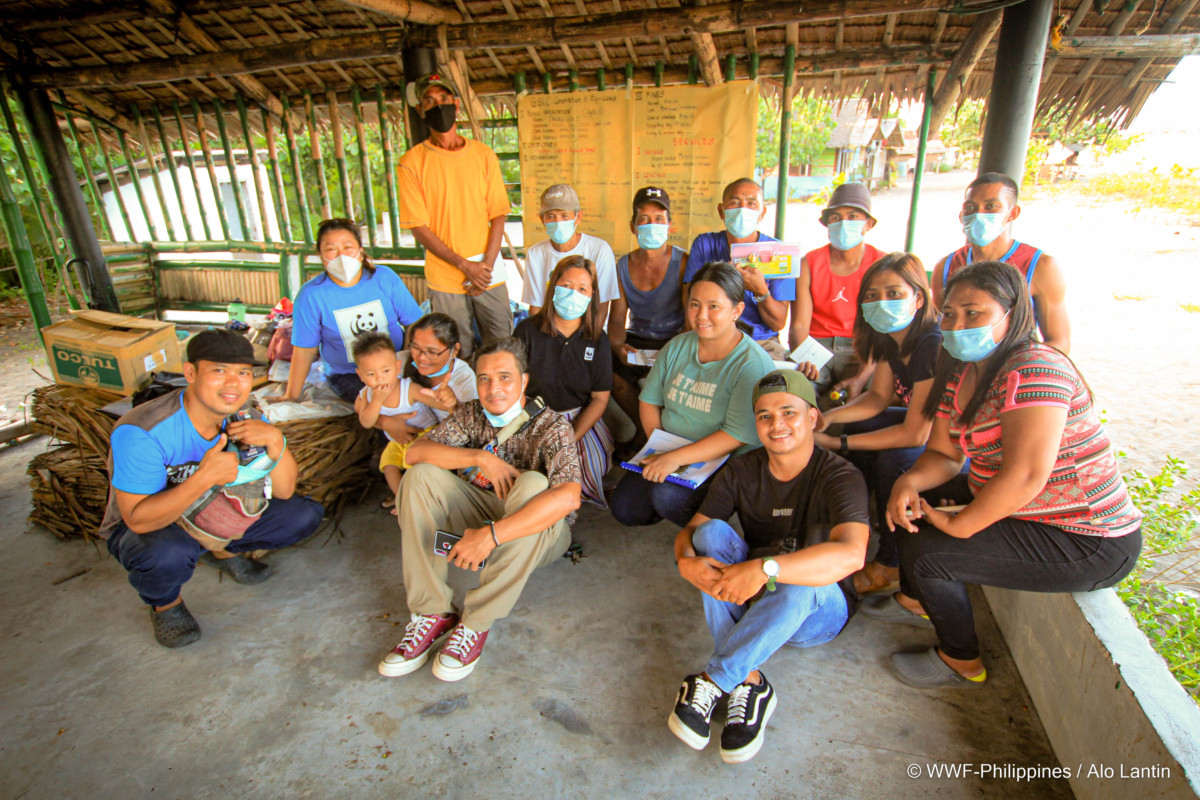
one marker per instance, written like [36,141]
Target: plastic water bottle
[237,310]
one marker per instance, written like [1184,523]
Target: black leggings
[1011,554]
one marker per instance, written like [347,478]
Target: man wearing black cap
[827,290]
[452,198]
[804,512]
[173,473]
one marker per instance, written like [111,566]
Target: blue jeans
[638,501]
[345,385]
[161,562]
[745,636]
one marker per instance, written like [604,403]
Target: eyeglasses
[430,354]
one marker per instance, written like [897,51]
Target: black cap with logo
[221,347]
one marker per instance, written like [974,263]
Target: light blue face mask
[983,229]
[889,316]
[256,470]
[847,234]
[652,235]
[569,303]
[741,222]
[500,420]
[971,344]
[561,232]
[443,370]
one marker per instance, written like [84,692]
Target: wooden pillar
[306,229]
[276,176]
[206,148]
[169,153]
[389,168]
[248,138]
[314,141]
[187,149]
[364,166]
[231,165]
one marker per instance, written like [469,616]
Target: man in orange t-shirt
[452,197]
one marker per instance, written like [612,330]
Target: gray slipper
[240,568]
[886,608]
[174,627]
[926,670]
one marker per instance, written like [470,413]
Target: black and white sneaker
[691,719]
[750,706]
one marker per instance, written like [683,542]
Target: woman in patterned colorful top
[1049,511]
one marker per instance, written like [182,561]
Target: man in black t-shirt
[804,512]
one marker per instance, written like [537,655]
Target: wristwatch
[758,298]
[770,568]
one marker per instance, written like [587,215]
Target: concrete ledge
[1105,698]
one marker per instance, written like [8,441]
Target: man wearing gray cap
[559,212]
[827,289]
[452,198]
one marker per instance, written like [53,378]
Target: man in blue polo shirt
[167,458]
[767,300]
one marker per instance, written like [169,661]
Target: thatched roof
[109,55]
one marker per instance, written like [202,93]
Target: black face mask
[441,118]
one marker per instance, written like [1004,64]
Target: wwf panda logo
[359,319]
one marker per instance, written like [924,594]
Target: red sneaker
[460,655]
[420,636]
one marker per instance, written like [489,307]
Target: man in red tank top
[827,289]
[988,211]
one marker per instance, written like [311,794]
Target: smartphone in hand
[444,541]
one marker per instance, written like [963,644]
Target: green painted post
[519,82]
[187,149]
[231,166]
[629,76]
[339,156]
[754,66]
[731,67]
[314,140]
[18,241]
[206,148]
[135,175]
[601,80]
[389,167]
[93,188]
[297,173]
[911,233]
[693,70]
[155,177]
[785,139]
[40,196]
[659,68]
[276,175]
[116,187]
[255,165]
[546,83]
[364,166]
[169,154]
[572,80]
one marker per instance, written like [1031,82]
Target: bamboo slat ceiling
[107,56]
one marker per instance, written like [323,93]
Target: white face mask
[344,268]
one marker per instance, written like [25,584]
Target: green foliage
[1177,190]
[1168,617]
[812,121]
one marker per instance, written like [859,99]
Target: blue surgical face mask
[561,232]
[983,229]
[741,222]
[443,370]
[500,420]
[889,316]
[847,234]
[257,469]
[569,303]
[971,344]
[652,235]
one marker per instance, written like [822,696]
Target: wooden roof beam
[706,52]
[411,10]
[187,27]
[1176,45]
[969,52]
[1170,26]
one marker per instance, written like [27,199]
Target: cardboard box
[107,351]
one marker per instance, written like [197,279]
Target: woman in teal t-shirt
[699,389]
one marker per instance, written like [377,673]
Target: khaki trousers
[431,499]
[490,309]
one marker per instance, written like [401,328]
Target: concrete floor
[280,698]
